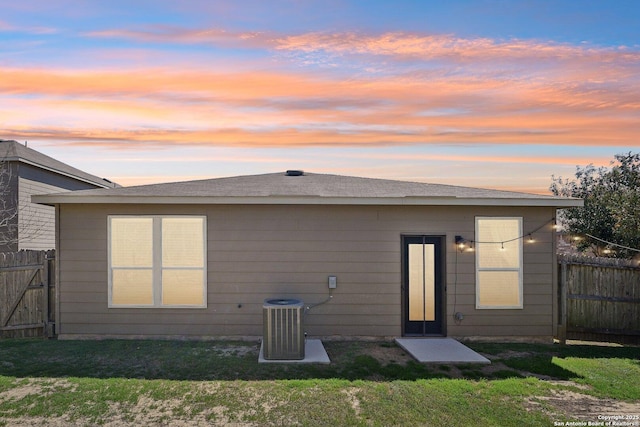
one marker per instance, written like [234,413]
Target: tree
[21,222]
[611,209]
[8,208]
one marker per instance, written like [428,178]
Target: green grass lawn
[367,383]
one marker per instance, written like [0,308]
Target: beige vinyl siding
[262,251]
[36,223]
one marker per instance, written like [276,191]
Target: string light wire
[502,242]
[530,235]
[611,243]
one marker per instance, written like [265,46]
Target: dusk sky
[481,93]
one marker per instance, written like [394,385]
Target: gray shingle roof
[310,188]
[14,151]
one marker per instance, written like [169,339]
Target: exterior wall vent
[283,330]
[294,173]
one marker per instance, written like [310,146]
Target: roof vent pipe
[294,173]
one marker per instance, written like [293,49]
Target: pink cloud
[401,44]
[446,46]
[174,34]
[556,66]
[292,137]
[151,106]
[5,26]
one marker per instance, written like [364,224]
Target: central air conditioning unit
[283,331]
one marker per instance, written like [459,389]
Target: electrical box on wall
[333,282]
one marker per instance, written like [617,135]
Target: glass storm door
[422,285]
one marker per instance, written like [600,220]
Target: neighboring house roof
[14,151]
[308,188]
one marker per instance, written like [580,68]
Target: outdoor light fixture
[460,242]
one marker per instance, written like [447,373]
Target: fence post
[562,289]
[45,284]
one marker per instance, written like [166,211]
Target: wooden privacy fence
[599,299]
[27,294]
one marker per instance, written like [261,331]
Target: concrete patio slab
[440,350]
[314,352]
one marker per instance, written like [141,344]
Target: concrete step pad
[440,350]
[314,352]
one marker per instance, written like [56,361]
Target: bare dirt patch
[116,422]
[36,387]
[386,354]
[20,392]
[42,421]
[570,405]
[352,396]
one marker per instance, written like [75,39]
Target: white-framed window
[499,263]
[157,261]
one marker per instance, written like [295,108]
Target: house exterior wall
[36,223]
[263,251]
